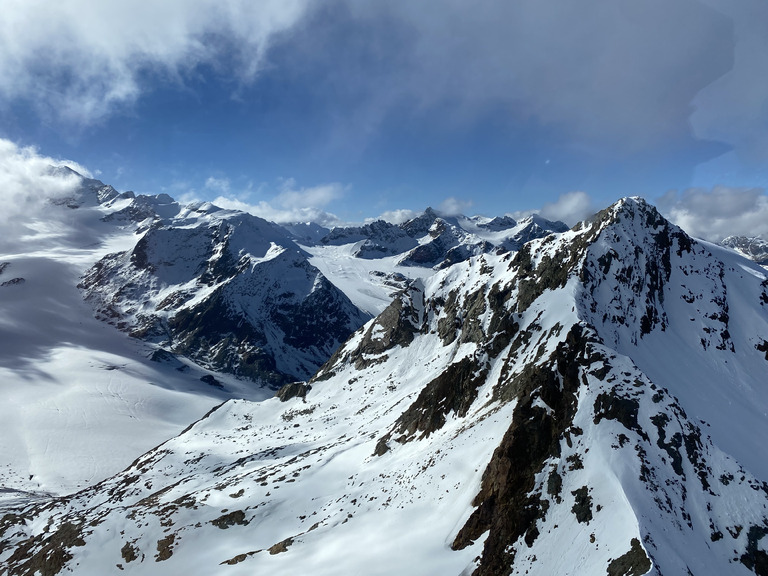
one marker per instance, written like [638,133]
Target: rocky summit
[591,402]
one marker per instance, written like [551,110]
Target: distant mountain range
[526,399]
[238,294]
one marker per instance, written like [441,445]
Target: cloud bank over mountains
[28,183]
[719,212]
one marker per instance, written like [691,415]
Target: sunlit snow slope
[595,403]
[80,400]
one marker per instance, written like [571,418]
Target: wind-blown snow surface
[79,399]
[595,403]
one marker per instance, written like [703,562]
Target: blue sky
[346,110]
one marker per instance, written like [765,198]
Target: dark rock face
[395,326]
[582,506]
[507,503]
[293,390]
[614,406]
[47,554]
[453,391]
[236,517]
[633,563]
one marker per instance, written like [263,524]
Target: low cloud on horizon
[713,214]
[289,203]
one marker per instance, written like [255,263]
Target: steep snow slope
[538,413]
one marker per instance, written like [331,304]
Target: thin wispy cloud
[218,185]
[581,68]
[395,216]
[571,207]
[589,69]
[83,60]
[732,108]
[454,206]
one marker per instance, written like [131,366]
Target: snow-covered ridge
[593,403]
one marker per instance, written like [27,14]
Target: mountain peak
[634,209]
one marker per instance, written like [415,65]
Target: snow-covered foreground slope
[594,404]
[79,399]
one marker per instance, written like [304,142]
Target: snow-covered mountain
[593,403]
[754,248]
[226,289]
[432,239]
[370,263]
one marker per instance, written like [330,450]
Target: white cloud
[590,69]
[454,206]
[610,78]
[293,198]
[520,214]
[713,214]
[27,184]
[218,185]
[395,216]
[571,207]
[732,109]
[79,60]
[290,204]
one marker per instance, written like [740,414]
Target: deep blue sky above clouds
[300,109]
